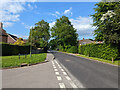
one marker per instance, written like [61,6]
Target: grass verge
[14,61]
[116,62]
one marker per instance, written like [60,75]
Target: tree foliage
[39,35]
[19,42]
[64,32]
[109,29]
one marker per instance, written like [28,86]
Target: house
[85,41]
[11,39]
[6,37]
[3,34]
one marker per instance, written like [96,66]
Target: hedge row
[8,49]
[99,50]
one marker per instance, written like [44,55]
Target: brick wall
[10,40]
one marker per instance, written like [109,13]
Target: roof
[12,36]
[85,41]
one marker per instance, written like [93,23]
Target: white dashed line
[62,70]
[64,73]
[55,70]
[68,78]
[60,67]
[54,67]
[59,78]
[61,85]
[73,85]
[57,73]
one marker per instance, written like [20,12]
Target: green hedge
[8,49]
[73,49]
[103,51]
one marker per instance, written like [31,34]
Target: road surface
[91,74]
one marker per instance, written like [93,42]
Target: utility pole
[31,43]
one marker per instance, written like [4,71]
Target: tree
[19,42]
[39,35]
[53,44]
[103,28]
[64,33]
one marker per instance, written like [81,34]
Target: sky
[19,17]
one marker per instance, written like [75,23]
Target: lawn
[14,61]
[102,60]
[116,62]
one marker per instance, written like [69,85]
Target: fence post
[112,60]
[19,58]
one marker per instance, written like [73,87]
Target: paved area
[45,75]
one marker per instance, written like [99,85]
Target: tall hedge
[103,51]
[8,49]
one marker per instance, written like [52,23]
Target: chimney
[1,25]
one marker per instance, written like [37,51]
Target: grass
[116,62]
[99,59]
[14,61]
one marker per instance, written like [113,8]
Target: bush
[73,49]
[8,49]
[103,51]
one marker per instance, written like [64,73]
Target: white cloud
[82,24]
[10,11]
[52,24]
[57,12]
[31,7]
[68,11]
[7,24]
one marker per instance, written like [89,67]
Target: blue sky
[19,17]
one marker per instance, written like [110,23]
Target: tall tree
[64,32]
[103,31]
[39,35]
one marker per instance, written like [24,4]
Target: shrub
[73,49]
[8,49]
[99,50]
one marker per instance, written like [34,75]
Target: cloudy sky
[18,17]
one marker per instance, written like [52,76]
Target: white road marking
[57,73]
[68,78]
[73,85]
[60,67]
[55,70]
[61,85]
[62,70]
[54,67]
[64,73]
[59,78]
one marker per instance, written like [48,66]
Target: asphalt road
[91,74]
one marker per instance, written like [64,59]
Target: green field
[14,61]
